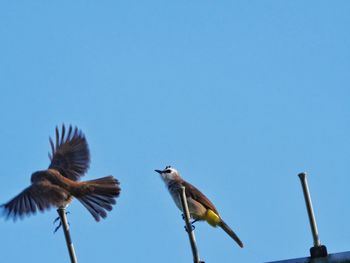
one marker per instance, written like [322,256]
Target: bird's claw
[193,228]
[58,227]
[60,224]
[58,218]
[55,221]
[184,218]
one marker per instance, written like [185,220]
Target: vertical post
[62,213]
[317,250]
[189,226]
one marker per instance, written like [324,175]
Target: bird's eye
[168,171]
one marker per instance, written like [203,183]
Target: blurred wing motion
[39,196]
[99,195]
[70,155]
[56,186]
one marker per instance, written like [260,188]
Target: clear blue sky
[239,96]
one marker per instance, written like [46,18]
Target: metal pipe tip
[302,175]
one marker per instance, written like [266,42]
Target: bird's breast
[196,209]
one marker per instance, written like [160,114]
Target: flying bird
[58,185]
[200,207]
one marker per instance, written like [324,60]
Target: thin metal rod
[309,209]
[189,225]
[62,213]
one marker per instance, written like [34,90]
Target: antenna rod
[62,213]
[317,250]
[309,209]
[189,226]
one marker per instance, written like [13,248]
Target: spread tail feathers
[99,195]
[230,232]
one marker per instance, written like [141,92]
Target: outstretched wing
[70,155]
[39,196]
[197,195]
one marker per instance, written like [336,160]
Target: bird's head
[168,174]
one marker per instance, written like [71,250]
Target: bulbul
[58,185]
[200,207]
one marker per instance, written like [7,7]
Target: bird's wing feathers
[70,154]
[39,196]
[194,193]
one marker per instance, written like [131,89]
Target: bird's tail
[99,195]
[230,232]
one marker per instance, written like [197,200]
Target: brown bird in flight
[58,185]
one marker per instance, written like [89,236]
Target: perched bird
[200,207]
[58,185]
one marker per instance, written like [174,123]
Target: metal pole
[309,209]
[189,226]
[62,213]
[317,250]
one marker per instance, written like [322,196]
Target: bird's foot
[58,218]
[192,226]
[194,221]
[60,224]
[58,227]
[184,218]
[55,221]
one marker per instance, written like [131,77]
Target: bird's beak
[158,171]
